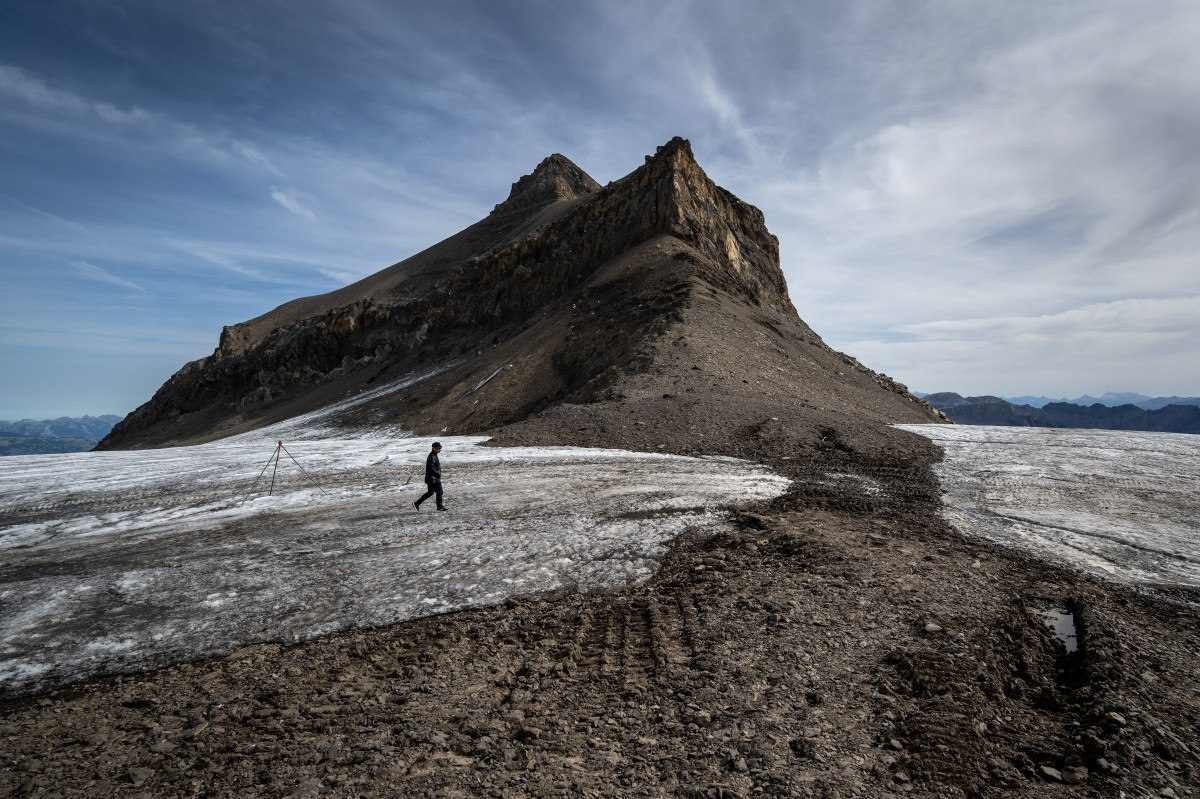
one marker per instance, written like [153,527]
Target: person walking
[433,478]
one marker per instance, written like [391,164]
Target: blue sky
[1002,198]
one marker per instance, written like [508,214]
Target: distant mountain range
[1112,399]
[65,434]
[1168,418]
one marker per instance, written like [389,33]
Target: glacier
[1122,505]
[120,561]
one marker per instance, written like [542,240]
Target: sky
[997,198]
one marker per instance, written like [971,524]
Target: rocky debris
[1052,774]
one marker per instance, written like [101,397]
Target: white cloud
[1017,215]
[290,200]
[1122,316]
[99,274]
[19,85]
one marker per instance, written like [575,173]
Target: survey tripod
[280,449]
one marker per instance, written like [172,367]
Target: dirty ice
[118,561]
[1122,504]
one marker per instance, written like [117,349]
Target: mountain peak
[677,151]
[555,178]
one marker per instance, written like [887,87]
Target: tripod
[274,459]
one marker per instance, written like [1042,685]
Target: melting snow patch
[126,560]
[859,481]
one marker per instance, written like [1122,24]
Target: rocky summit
[653,297]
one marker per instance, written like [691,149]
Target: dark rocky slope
[625,298]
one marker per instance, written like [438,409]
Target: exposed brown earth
[841,642]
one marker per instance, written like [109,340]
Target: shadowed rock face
[565,289]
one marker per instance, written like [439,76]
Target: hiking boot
[442,507]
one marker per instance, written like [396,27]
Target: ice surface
[114,561]
[1122,504]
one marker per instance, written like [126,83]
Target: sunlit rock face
[1121,504]
[116,561]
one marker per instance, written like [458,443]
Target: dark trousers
[435,487]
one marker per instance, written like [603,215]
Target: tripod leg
[320,487]
[273,471]
[266,466]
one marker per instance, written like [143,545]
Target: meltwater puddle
[1061,621]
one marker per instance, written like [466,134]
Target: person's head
[437,447]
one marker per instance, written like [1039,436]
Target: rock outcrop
[567,287]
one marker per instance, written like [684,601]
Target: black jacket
[433,469]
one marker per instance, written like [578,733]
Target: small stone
[138,776]
[1168,792]
[1116,719]
[1051,774]
[803,747]
[893,743]
[739,765]
[1077,775]
[932,627]
[528,732]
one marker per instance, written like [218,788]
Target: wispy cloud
[99,274]
[18,85]
[290,200]
[1168,315]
